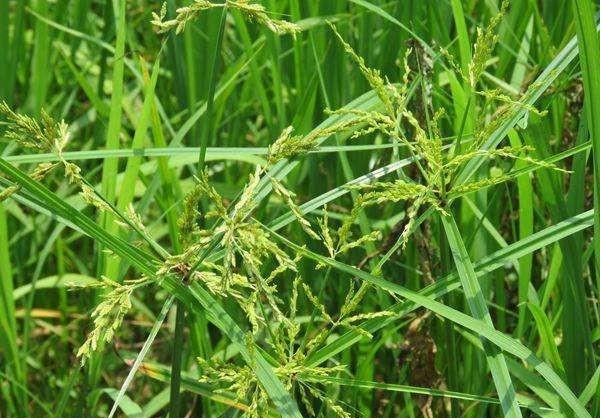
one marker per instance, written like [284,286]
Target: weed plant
[299,209]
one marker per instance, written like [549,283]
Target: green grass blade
[525,193]
[113,132]
[212,153]
[8,326]
[547,338]
[591,388]
[589,58]
[52,282]
[391,387]
[142,354]
[464,43]
[479,310]
[207,132]
[133,163]
[4,47]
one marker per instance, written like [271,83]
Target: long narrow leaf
[479,310]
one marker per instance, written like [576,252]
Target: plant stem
[175,399]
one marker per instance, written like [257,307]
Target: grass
[421,241]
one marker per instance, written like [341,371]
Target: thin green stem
[176,360]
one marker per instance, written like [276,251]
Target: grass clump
[370,217]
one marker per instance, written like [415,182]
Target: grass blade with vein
[142,354]
[479,310]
